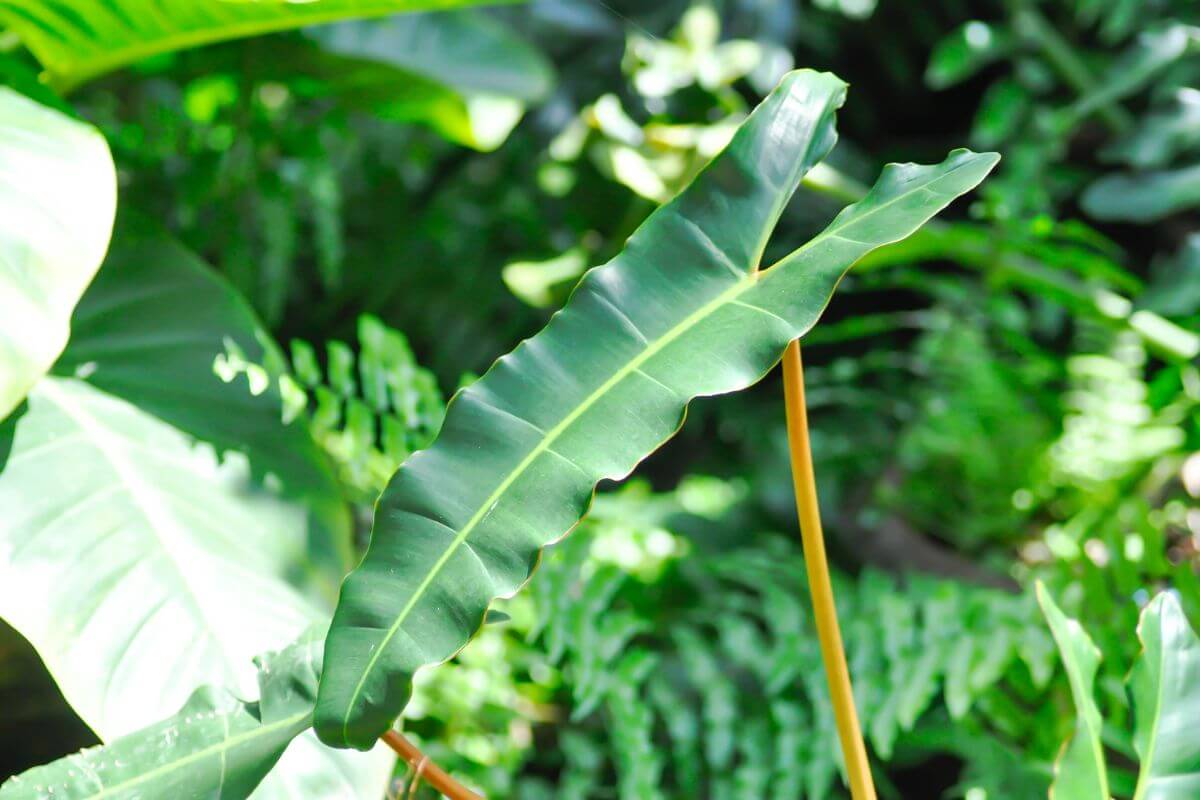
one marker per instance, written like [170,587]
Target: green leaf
[1165,686]
[160,589]
[215,746]
[77,40]
[58,194]
[682,312]
[1160,135]
[1175,288]
[150,331]
[1080,772]
[1143,197]
[463,49]
[1154,50]
[966,51]
[535,282]
[464,74]
[153,546]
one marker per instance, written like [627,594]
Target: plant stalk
[426,770]
[854,751]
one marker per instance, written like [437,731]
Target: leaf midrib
[108,445]
[752,278]
[222,747]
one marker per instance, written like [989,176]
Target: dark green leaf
[682,312]
[966,51]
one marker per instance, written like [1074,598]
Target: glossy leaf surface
[58,194]
[216,746]
[682,312]
[1165,686]
[76,40]
[1080,772]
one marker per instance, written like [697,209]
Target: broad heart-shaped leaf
[1080,772]
[58,193]
[141,552]
[464,74]
[1165,686]
[149,330]
[682,312]
[76,40]
[216,746]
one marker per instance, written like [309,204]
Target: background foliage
[1009,396]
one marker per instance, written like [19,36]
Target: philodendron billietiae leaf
[682,312]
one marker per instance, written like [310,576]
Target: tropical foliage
[270,486]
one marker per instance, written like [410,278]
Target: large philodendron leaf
[136,564]
[1080,772]
[58,194]
[76,40]
[682,312]
[149,331]
[163,527]
[216,746]
[1165,686]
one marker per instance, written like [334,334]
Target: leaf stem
[425,769]
[820,586]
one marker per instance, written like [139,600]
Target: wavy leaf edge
[333,719]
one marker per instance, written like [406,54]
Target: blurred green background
[1010,395]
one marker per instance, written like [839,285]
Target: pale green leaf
[76,40]
[535,282]
[58,194]
[682,312]
[126,560]
[216,746]
[1080,772]
[1165,686]
[154,543]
